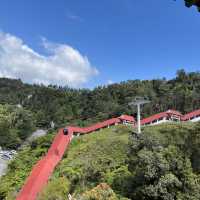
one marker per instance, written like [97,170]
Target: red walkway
[44,168]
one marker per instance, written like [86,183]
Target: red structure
[126,119]
[192,116]
[44,168]
[169,115]
[41,172]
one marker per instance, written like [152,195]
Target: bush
[56,190]
[101,192]
[20,167]
[16,124]
[91,157]
[162,169]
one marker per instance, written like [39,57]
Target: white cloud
[64,66]
[75,17]
[109,82]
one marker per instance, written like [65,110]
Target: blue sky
[122,39]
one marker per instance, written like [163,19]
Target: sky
[89,43]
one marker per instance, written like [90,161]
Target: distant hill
[64,105]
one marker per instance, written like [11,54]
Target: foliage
[92,157]
[56,190]
[161,165]
[190,3]
[16,124]
[119,179]
[101,192]
[20,167]
[65,106]
[87,163]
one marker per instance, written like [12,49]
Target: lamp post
[137,102]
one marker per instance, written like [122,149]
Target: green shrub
[16,124]
[21,166]
[101,192]
[161,165]
[91,156]
[56,190]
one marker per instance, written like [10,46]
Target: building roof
[190,115]
[167,113]
[174,112]
[153,117]
[127,118]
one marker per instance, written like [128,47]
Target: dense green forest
[20,167]
[64,105]
[16,124]
[163,163]
[81,107]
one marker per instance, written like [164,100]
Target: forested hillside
[38,105]
[16,124]
[64,105]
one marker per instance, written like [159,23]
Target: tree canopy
[16,124]
[163,165]
[67,106]
[190,3]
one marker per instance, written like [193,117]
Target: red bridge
[41,172]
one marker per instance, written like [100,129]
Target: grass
[20,167]
[91,157]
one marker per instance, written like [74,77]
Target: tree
[9,138]
[190,3]
[161,170]
[57,190]
[101,192]
[16,124]
[24,122]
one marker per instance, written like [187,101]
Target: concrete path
[3,166]
[37,133]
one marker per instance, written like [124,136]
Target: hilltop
[41,105]
[64,105]
[163,162]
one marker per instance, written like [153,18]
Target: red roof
[153,117]
[174,112]
[190,115]
[127,118]
[168,113]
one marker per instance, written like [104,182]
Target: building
[126,119]
[192,116]
[174,115]
[169,115]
